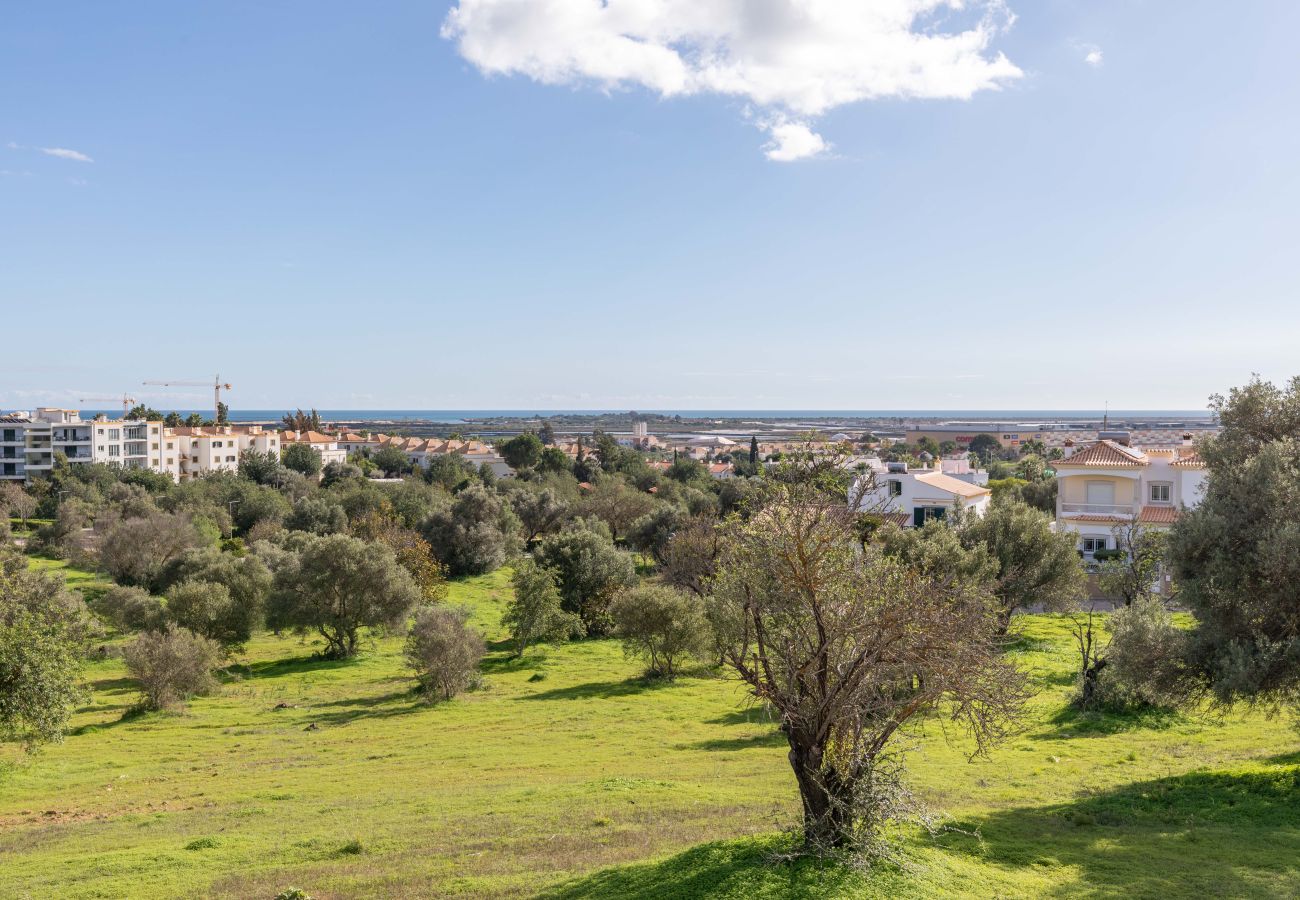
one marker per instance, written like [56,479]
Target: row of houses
[1103,487]
[30,441]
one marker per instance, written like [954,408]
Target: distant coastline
[468,416]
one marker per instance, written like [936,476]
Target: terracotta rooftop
[1105,454]
[1190,461]
[952,485]
[1158,515]
[306,437]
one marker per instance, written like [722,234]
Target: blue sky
[341,205]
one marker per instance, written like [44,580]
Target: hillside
[567,775]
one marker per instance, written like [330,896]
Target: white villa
[910,497]
[1107,485]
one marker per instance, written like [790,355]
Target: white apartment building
[1107,485]
[191,452]
[911,497]
[326,446]
[30,441]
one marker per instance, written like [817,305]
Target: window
[114,450]
[895,488]
[1101,493]
[1092,544]
[114,434]
[1160,493]
[171,445]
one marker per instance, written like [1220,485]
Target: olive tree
[476,534]
[41,642]
[590,571]
[337,585]
[444,651]
[1236,556]
[301,458]
[662,625]
[138,551]
[1035,564]
[535,611]
[848,647]
[172,665]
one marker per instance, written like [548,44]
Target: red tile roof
[1158,515]
[1190,461]
[1105,454]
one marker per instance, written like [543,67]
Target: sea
[461,416]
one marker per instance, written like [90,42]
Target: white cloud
[791,141]
[65,153]
[1093,57]
[793,59]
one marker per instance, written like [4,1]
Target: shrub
[318,516]
[130,609]
[476,535]
[41,639]
[247,580]
[664,626]
[136,551]
[590,571]
[171,665]
[301,458]
[536,612]
[1142,661]
[207,608]
[444,651]
[336,585]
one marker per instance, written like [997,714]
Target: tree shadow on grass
[726,869]
[508,662]
[382,706]
[1203,833]
[603,689]
[291,665]
[770,739]
[1072,722]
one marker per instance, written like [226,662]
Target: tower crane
[216,384]
[126,400]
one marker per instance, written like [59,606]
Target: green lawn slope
[566,776]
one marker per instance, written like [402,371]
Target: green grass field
[567,776]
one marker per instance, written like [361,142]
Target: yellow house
[1108,485]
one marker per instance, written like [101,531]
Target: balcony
[1099,509]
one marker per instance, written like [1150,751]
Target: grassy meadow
[567,776]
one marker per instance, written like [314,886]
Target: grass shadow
[601,690]
[727,870]
[1073,723]
[289,665]
[1204,833]
[771,739]
[107,685]
[130,713]
[382,706]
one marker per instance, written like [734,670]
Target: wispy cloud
[1092,54]
[65,153]
[792,60]
[793,140]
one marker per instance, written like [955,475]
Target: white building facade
[911,497]
[1106,486]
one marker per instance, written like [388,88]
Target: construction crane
[217,387]
[126,400]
